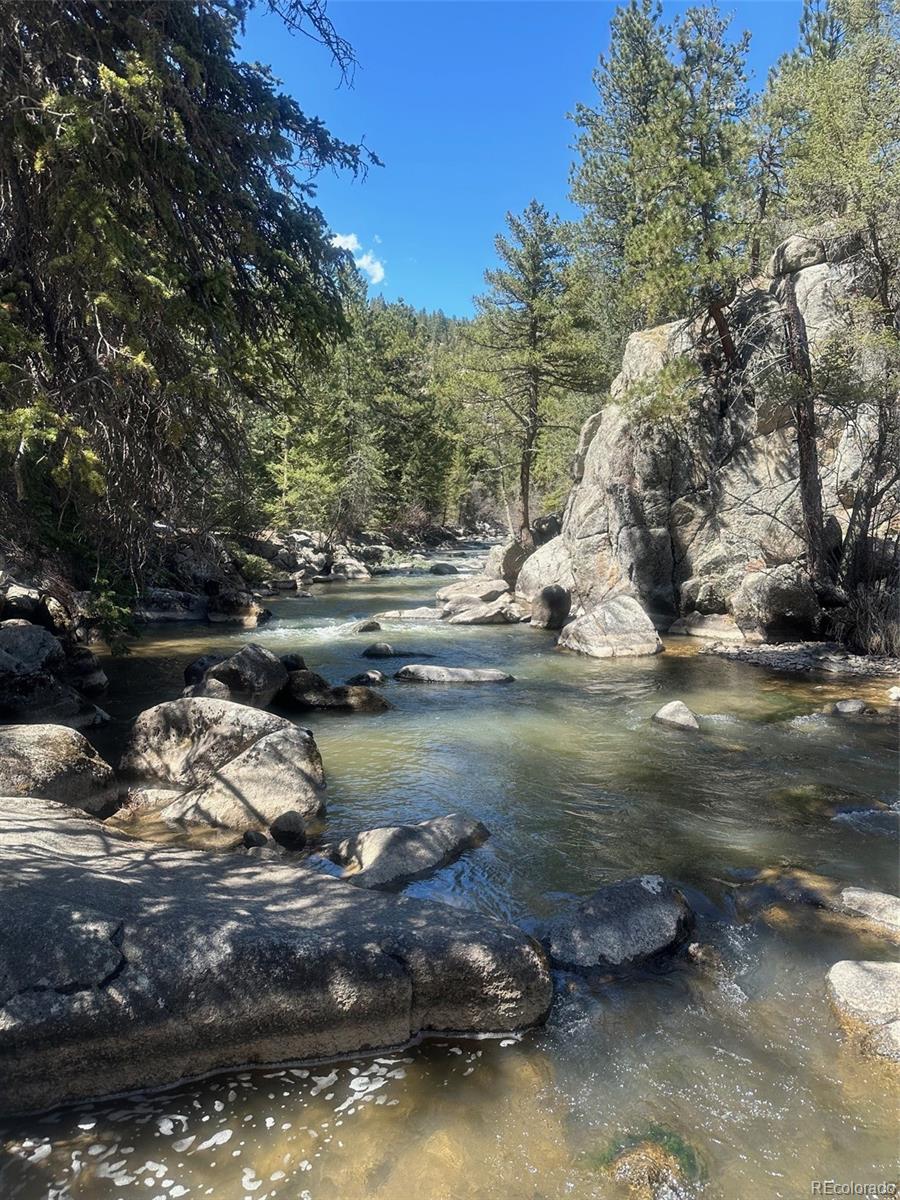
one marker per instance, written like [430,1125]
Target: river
[742,1067]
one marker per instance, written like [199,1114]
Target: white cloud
[372,266]
[367,262]
[346,241]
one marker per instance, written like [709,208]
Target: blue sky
[465,101]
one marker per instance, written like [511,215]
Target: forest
[182,342]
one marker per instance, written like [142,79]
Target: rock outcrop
[393,855]
[699,511]
[124,967]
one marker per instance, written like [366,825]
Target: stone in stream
[894,695]
[866,996]
[676,715]
[233,607]
[423,673]
[506,561]
[306,691]
[194,671]
[423,613]
[550,607]
[128,966]
[880,909]
[621,924]
[293,662]
[857,910]
[848,708]
[54,762]
[397,854]
[494,612]
[484,589]
[616,628]
[384,650]
[443,568]
[253,676]
[367,679]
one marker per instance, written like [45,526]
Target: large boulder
[54,762]
[620,925]
[32,662]
[423,673]
[384,650]
[776,605]
[394,855]
[252,676]
[506,561]
[614,629]
[866,996]
[278,782]
[124,968]
[549,566]
[184,742]
[305,691]
[550,607]
[348,568]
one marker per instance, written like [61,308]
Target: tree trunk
[807,449]
[529,448]
[725,338]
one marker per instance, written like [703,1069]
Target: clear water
[745,1063]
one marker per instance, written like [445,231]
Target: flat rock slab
[423,673]
[878,908]
[125,966]
[867,998]
[620,925]
[397,854]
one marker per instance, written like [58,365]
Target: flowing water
[742,1068]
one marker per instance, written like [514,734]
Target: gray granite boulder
[125,966]
[397,854]
[481,587]
[621,924]
[423,673]
[252,676]
[305,691]
[777,604]
[276,783]
[506,561]
[493,612]
[54,762]
[32,646]
[184,742]
[614,629]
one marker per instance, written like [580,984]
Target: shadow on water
[578,787]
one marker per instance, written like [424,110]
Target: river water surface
[743,1067]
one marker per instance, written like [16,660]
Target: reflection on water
[743,1063]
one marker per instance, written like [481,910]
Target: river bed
[744,1067]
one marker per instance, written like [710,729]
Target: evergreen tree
[162,265]
[530,339]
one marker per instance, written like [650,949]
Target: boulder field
[123,969]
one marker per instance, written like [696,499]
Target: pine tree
[531,339]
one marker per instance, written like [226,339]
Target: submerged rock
[384,650]
[676,715]
[616,628]
[866,996]
[880,909]
[396,854]
[443,568]
[423,673]
[126,967]
[54,762]
[367,679]
[620,925]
